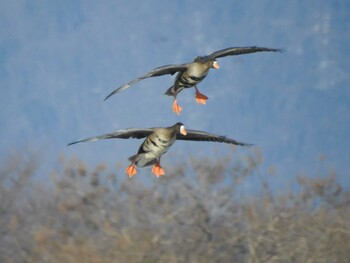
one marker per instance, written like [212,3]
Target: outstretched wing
[193,135]
[168,69]
[232,51]
[121,134]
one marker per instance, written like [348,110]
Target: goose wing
[121,134]
[168,69]
[193,135]
[233,51]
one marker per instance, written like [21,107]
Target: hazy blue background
[59,59]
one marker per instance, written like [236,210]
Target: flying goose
[157,142]
[190,74]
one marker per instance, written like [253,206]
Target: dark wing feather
[193,135]
[121,134]
[232,51]
[168,69]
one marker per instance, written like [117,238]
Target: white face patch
[183,130]
[215,64]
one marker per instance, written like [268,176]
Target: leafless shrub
[79,214]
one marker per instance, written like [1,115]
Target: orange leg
[200,98]
[176,107]
[131,170]
[158,170]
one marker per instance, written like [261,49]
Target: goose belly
[188,80]
[152,149]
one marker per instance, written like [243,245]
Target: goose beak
[182,130]
[216,65]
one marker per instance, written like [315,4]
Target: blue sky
[59,59]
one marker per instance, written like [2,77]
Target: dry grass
[192,215]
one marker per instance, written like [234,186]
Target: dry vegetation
[192,215]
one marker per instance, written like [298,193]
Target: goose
[191,74]
[158,141]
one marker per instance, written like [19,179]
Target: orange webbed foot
[201,98]
[158,170]
[131,170]
[176,107]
